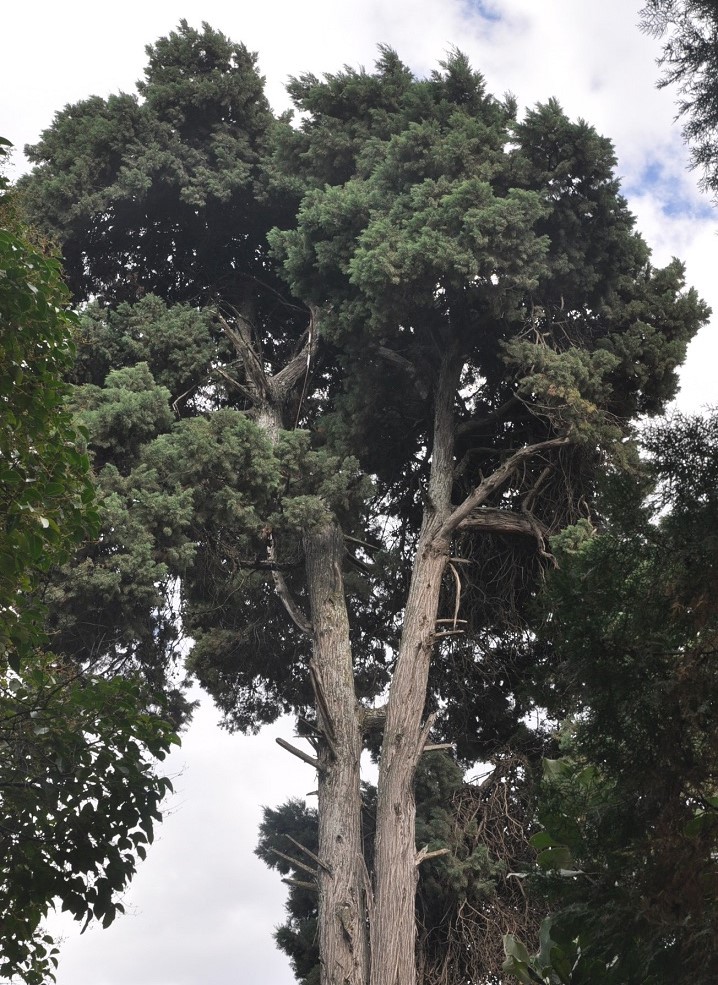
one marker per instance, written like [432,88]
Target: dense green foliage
[689,29]
[418,228]
[159,191]
[45,490]
[632,804]
[78,797]
[405,229]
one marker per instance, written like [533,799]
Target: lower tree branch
[424,854]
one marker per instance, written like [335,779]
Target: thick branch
[500,521]
[423,855]
[282,382]
[494,482]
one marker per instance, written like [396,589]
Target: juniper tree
[406,390]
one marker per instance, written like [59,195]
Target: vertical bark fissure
[343,938]
[393,929]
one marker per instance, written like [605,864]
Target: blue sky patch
[484,8]
[670,192]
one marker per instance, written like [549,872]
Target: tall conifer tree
[370,459]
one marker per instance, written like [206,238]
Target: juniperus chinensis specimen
[401,392]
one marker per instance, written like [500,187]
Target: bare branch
[285,596]
[362,543]
[423,855]
[457,604]
[235,383]
[312,856]
[312,886]
[424,734]
[530,497]
[305,757]
[240,335]
[295,613]
[322,708]
[435,746]
[294,861]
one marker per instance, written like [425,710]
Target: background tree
[631,809]
[474,836]
[689,29]
[78,797]
[357,497]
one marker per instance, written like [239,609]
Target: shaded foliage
[632,805]
[161,192]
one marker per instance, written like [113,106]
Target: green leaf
[555,857]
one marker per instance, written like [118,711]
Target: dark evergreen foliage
[630,809]
[161,191]
[78,796]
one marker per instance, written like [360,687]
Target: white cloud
[202,905]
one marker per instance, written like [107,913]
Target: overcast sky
[202,907]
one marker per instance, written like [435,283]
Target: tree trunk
[342,877]
[343,932]
[393,928]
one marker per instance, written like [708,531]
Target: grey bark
[343,942]
[393,928]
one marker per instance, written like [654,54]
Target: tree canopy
[630,808]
